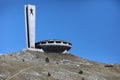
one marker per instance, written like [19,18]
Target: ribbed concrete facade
[56,46]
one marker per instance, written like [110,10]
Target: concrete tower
[30,25]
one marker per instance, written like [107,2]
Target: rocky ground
[34,65]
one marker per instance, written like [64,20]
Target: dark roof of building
[54,40]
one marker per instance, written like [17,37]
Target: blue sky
[92,26]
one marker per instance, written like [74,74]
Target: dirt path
[22,70]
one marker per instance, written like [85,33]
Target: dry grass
[68,67]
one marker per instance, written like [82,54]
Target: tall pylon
[30,25]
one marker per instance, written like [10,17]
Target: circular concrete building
[54,46]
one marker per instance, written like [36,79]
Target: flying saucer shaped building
[54,46]
[49,46]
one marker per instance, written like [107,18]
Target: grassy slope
[31,65]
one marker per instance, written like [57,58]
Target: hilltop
[35,65]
